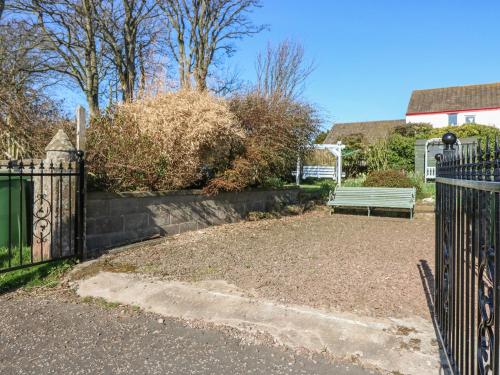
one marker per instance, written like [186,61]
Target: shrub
[273,183]
[276,131]
[173,141]
[377,156]
[326,186]
[423,190]
[388,178]
[401,152]
[354,182]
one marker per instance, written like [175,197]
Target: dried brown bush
[172,141]
[31,120]
[276,130]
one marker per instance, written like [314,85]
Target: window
[470,119]
[452,119]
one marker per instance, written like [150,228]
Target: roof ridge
[455,98]
[460,86]
[368,121]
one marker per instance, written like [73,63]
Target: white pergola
[336,150]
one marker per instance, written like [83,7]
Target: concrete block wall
[124,218]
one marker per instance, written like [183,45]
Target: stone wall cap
[96,195]
[60,142]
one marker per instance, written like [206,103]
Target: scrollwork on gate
[41,223]
[486,340]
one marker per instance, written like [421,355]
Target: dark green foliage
[354,155]
[320,138]
[401,152]
[273,183]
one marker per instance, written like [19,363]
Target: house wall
[440,120]
[124,218]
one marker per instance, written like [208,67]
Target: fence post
[81,209]
[81,127]
[297,176]
[53,195]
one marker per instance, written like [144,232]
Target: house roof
[371,130]
[459,98]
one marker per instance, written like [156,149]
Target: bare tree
[128,29]
[27,114]
[69,29]
[283,70]
[2,7]
[203,29]
[22,66]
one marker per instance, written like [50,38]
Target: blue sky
[370,54]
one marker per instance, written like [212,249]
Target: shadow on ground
[382,212]
[428,282]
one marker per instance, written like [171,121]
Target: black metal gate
[467,241]
[41,211]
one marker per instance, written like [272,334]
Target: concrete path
[390,345]
[50,336]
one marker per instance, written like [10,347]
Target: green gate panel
[20,209]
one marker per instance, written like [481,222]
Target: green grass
[428,190]
[101,302]
[47,274]
[310,187]
[15,256]
[314,185]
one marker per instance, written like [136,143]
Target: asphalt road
[51,336]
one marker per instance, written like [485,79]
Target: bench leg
[411,213]
[368,211]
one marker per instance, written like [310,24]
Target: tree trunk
[91,70]
[130,41]
[201,80]
[142,69]
[93,103]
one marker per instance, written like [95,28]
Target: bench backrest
[373,196]
[317,171]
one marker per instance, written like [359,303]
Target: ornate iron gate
[467,239]
[41,211]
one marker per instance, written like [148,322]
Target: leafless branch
[203,28]
[283,70]
[69,31]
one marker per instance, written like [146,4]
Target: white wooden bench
[373,197]
[317,171]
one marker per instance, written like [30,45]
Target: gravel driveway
[365,265]
[45,335]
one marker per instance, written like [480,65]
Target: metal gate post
[80,217]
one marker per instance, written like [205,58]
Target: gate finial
[449,139]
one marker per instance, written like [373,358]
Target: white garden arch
[430,172]
[336,150]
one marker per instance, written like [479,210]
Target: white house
[459,105]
